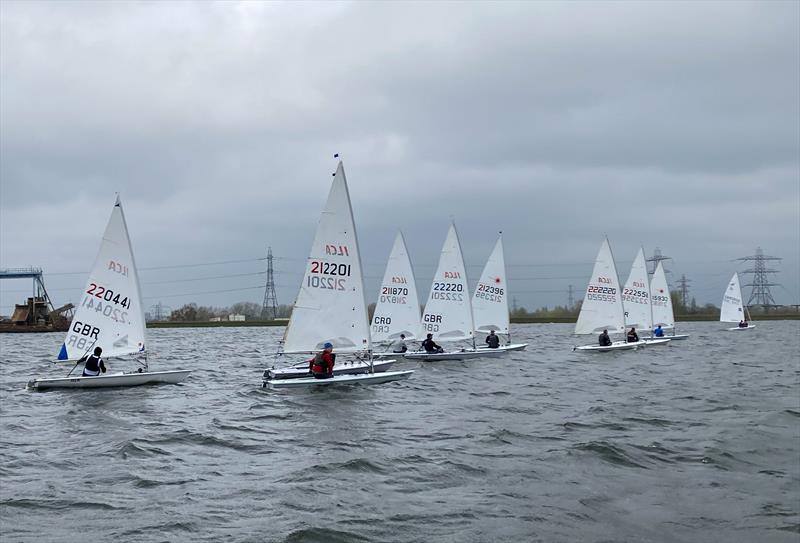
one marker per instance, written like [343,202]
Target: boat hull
[506,348]
[454,355]
[617,346]
[351,368]
[738,329]
[678,337]
[114,380]
[349,379]
[657,341]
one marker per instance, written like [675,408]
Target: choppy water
[698,441]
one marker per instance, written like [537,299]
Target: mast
[466,282]
[616,273]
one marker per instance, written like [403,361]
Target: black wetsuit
[430,346]
[605,341]
[493,341]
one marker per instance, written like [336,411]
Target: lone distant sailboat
[110,316]
[732,309]
[331,307]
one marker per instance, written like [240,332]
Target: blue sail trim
[63,354]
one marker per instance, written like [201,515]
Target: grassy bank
[515,320]
[219,324]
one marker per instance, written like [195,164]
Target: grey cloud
[673,125]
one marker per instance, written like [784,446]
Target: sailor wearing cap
[321,366]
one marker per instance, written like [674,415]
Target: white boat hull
[113,380]
[657,341]
[616,346]
[454,355]
[348,368]
[359,379]
[506,348]
[677,337]
[737,328]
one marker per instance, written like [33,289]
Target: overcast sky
[671,125]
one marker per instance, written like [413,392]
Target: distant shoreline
[514,320]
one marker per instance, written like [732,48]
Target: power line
[206,292]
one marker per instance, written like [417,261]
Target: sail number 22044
[106,294]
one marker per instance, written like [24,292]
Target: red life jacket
[322,363]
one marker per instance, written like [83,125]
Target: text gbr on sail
[83,333]
[430,323]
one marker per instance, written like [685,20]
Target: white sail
[448,312]
[490,299]
[110,313]
[636,295]
[397,309]
[661,299]
[602,304]
[331,306]
[732,310]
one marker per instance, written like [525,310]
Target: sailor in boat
[658,332]
[321,366]
[605,340]
[743,324]
[633,337]
[492,340]
[399,346]
[430,346]
[94,364]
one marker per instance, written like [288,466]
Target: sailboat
[490,300]
[448,311]
[661,301]
[331,306]
[602,305]
[110,316]
[732,309]
[397,309]
[636,301]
